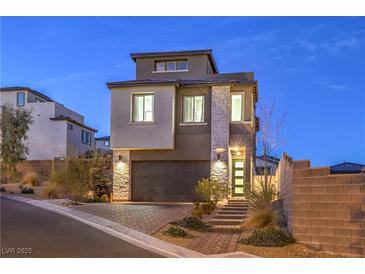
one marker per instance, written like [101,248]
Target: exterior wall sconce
[219,151]
[120,158]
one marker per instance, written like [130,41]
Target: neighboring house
[56,131]
[271,163]
[102,144]
[178,122]
[347,167]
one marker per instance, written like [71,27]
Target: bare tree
[269,138]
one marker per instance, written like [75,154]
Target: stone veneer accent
[121,175]
[220,131]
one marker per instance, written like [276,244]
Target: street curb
[127,234]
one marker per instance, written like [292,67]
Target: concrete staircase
[231,215]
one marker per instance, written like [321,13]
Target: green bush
[2,189]
[211,190]
[27,190]
[192,223]
[176,231]
[268,237]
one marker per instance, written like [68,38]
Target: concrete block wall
[326,211]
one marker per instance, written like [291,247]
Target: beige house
[179,121]
[56,131]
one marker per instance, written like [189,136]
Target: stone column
[220,117]
[121,175]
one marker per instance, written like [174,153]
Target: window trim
[17,99]
[203,122]
[132,107]
[170,61]
[242,93]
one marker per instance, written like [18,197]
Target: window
[237,107]
[171,65]
[193,109]
[20,99]
[85,137]
[142,108]
[182,65]
[106,143]
[160,66]
[70,126]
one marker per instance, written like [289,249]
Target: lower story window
[85,137]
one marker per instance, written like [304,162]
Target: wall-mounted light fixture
[219,151]
[120,158]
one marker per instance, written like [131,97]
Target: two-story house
[179,121]
[56,131]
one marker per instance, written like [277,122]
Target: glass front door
[238,178]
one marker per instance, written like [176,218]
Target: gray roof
[179,82]
[69,119]
[208,52]
[17,88]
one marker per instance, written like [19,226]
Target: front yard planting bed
[289,251]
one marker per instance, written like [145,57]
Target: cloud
[336,87]
[71,77]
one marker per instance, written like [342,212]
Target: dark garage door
[167,181]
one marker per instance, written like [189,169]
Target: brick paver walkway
[216,242]
[147,218]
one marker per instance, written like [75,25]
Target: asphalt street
[29,231]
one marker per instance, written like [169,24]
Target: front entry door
[238,178]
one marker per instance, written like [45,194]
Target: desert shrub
[268,237]
[83,174]
[2,189]
[27,190]
[260,218]
[208,207]
[197,210]
[262,196]
[211,190]
[105,198]
[176,231]
[31,179]
[203,190]
[192,223]
[52,191]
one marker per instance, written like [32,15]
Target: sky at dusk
[313,67]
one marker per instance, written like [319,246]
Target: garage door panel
[167,180]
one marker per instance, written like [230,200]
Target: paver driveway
[147,218]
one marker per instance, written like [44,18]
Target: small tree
[269,139]
[15,123]
[212,190]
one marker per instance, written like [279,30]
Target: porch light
[219,151]
[120,158]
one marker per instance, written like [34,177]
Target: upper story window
[20,99]
[142,108]
[70,127]
[193,109]
[171,66]
[237,103]
[85,137]
[106,143]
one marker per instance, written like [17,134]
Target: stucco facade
[169,146]
[55,131]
